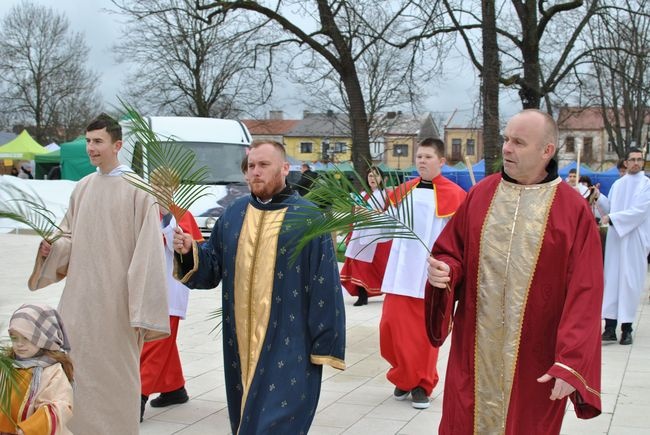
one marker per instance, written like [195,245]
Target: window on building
[306,147]
[610,146]
[400,150]
[471,145]
[587,149]
[456,151]
[570,144]
[340,147]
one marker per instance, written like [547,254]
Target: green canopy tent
[45,162]
[23,147]
[75,163]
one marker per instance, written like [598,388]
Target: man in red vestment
[522,259]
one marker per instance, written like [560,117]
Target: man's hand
[182,241]
[44,248]
[561,389]
[438,273]
[604,220]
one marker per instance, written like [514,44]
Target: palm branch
[29,209]
[173,176]
[216,315]
[338,207]
[8,383]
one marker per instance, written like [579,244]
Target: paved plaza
[355,401]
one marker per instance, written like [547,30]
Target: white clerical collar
[117,171]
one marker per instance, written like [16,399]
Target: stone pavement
[356,401]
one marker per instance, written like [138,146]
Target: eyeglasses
[638,159]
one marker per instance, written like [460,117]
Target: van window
[222,160]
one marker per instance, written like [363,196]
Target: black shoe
[419,398]
[143,403]
[363,297]
[609,334]
[400,394]
[626,337]
[170,398]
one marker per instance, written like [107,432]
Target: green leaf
[8,383]
[216,315]
[29,209]
[338,207]
[173,175]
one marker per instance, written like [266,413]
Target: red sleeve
[188,225]
[578,348]
[439,303]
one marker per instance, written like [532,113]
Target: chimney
[276,115]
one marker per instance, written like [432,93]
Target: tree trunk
[490,91]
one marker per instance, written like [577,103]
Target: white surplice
[406,271]
[628,244]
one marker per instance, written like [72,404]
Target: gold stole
[253,283]
[511,240]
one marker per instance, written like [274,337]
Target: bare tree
[187,66]
[619,80]
[490,87]
[42,70]
[339,33]
[538,41]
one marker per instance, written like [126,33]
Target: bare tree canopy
[618,81]
[44,80]
[186,65]
[538,41]
[338,36]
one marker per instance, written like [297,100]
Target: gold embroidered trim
[188,275]
[257,249]
[579,376]
[331,361]
[510,243]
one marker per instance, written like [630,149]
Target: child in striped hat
[41,399]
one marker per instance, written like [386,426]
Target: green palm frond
[340,208]
[29,209]
[218,316]
[8,383]
[173,175]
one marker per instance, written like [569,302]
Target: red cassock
[160,364]
[369,275]
[527,276]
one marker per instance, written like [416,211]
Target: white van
[219,144]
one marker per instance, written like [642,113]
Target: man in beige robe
[115,296]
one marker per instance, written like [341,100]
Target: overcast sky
[457,90]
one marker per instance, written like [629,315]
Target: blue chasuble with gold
[282,320]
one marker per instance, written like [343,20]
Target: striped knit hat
[41,325]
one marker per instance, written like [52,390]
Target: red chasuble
[527,273]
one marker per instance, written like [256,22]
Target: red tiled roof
[580,118]
[586,118]
[269,126]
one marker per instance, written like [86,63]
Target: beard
[266,190]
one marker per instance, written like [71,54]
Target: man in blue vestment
[282,318]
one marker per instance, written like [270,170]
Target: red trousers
[160,365]
[404,344]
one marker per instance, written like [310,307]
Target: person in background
[598,202]
[160,364]
[41,399]
[628,245]
[25,172]
[14,171]
[431,200]
[518,273]
[365,263]
[306,180]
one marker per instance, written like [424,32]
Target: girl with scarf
[41,401]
